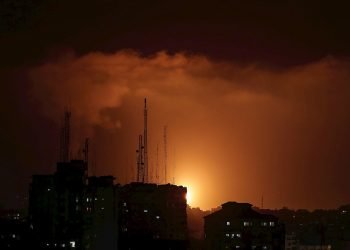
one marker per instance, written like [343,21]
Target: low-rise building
[238,226]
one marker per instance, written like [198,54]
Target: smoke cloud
[235,131]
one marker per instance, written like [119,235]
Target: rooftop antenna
[65,137]
[150,173]
[157,166]
[174,172]
[140,162]
[145,147]
[165,153]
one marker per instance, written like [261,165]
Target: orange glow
[192,196]
[189,196]
[234,131]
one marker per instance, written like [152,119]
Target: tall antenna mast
[140,162]
[65,137]
[165,154]
[145,150]
[174,172]
[157,166]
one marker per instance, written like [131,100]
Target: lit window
[145,211]
[49,189]
[63,245]
[103,199]
[246,223]
[227,235]
[13,236]
[239,235]
[157,217]
[47,244]
[228,223]
[264,247]
[124,204]
[272,223]
[237,246]
[264,224]
[72,244]
[95,199]
[102,208]
[232,236]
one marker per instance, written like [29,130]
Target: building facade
[101,214]
[153,216]
[68,210]
[238,226]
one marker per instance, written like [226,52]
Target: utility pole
[157,166]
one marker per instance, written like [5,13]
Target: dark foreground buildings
[69,210]
[153,216]
[238,226]
[320,229]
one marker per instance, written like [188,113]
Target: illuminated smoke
[256,123]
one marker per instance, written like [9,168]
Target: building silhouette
[238,226]
[101,213]
[317,229]
[153,216]
[69,210]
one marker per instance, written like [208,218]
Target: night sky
[255,94]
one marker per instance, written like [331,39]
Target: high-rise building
[70,211]
[101,214]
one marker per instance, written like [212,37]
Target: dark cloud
[259,86]
[270,32]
